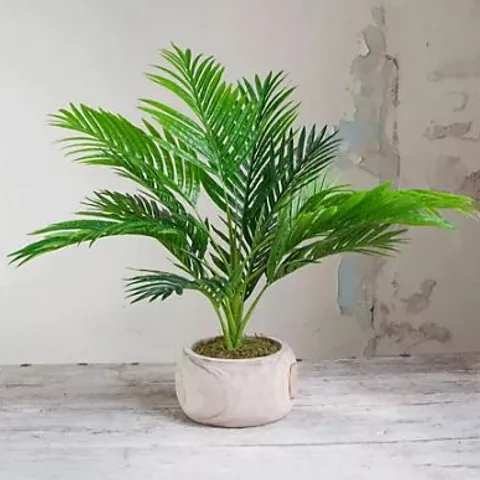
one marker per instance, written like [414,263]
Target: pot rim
[189,351]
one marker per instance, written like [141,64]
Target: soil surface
[251,347]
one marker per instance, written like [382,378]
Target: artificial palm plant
[267,177]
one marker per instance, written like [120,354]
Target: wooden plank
[405,418]
[328,425]
[443,460]
[351,382]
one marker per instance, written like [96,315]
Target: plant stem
[241,328]
[232,326]
[227,337]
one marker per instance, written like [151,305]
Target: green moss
[251,347]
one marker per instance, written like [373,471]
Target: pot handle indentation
[293,380]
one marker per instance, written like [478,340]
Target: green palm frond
[266,176]
[339,220]
[124,206]
[104,138]
[222,132]
[114,213]
[276,115]
[75,232]
[153,285]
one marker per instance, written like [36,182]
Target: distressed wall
[400,78]
[419,92]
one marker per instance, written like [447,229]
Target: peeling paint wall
[372,135]
[426,299]
[373,146]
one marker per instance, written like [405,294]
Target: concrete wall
[402,78]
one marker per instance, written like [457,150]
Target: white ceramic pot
[236,393]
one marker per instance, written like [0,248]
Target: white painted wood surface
[394,418]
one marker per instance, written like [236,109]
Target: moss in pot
[277,212]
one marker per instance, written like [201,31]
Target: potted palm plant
[277,212]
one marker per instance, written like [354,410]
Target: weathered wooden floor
[388,418]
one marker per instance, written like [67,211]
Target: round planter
[236,393]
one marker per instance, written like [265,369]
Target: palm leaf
[338,220]
[74,232]
[222,133]
[104,138]
[112,214]
[153,284]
